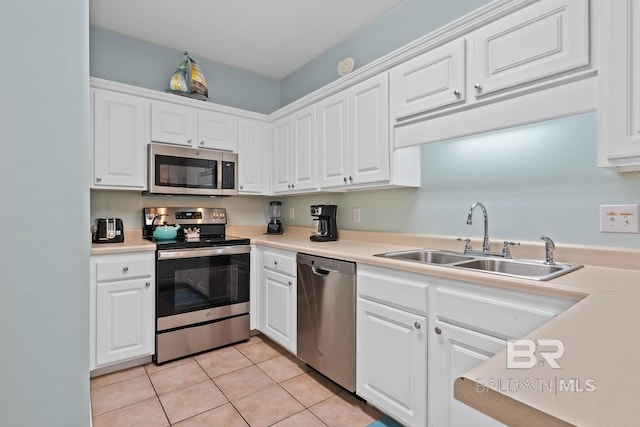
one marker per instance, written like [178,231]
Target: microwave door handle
[219,169]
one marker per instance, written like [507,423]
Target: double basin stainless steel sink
[528,269]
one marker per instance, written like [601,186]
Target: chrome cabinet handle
[189,140]
[98,178]
[416,325]
[456,92]
[437,330]
[125,269]
[201,142]
[345,179]
[290,283]
[477,86]
[147,284]
[350,179]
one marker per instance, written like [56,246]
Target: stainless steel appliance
[274,226]
[326,317]
[202,282]
[191,171]
[325,220]
[108,230]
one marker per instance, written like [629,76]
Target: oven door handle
[203,252]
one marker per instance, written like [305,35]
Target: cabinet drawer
[124,268]
[405,291]
[495,312]
[282,262]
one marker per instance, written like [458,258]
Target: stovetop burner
[202,242]
[210,221]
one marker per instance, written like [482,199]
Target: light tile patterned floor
[255,383]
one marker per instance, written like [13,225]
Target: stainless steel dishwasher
[326,317]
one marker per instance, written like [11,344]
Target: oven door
[203,284]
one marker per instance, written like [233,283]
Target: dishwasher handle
[320,271]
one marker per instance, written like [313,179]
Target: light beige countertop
[600,332]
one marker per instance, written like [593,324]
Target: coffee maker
[274,226]
[327,229]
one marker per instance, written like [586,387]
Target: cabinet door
[333,140]
[251,156]
[369,131]
[619,87]
[124,320]
[547,38]
[120,135]
[279,308]
[391,361]
[430,81]
[281,155]
[452,352]
[173,124]
[217,131]
[303,148]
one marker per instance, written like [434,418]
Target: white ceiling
[268,37]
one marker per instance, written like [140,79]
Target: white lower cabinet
[122,307]
[416,334]
[278,297]
[454,351]
[391,358]
[391,343]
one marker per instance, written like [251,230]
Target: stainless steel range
[202,281]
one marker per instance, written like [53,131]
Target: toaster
[108,230]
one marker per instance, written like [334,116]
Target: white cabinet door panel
[120,134]
[432,80]
[391,361]
[304,149]
[333,140]
[124,320]
[541,40]
[173,124]
[369,133]
[279,306]
[217,131]
[281,156]
[455,351]
[252,163]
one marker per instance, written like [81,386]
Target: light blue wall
[44,210]
[127,60]
[406,22]
[535,179]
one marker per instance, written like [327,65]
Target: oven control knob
[221,216]
[215,215]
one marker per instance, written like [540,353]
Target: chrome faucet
[485,240]
[549,247]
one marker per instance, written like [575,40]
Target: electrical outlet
[619,218]
[356,215]
[292,213]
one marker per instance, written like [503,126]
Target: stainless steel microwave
[192,171]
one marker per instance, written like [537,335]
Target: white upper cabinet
[181,125]
[173,124]
[522,65]
[293,162]
[369,130]
[619,84]
[333,140]
[217,131]
[120,135]
[430,81]
[252,151]
[354,146]
[544,39]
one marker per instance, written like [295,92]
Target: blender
[274,226]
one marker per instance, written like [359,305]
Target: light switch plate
[356,215]
[292,213]
[619,218]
